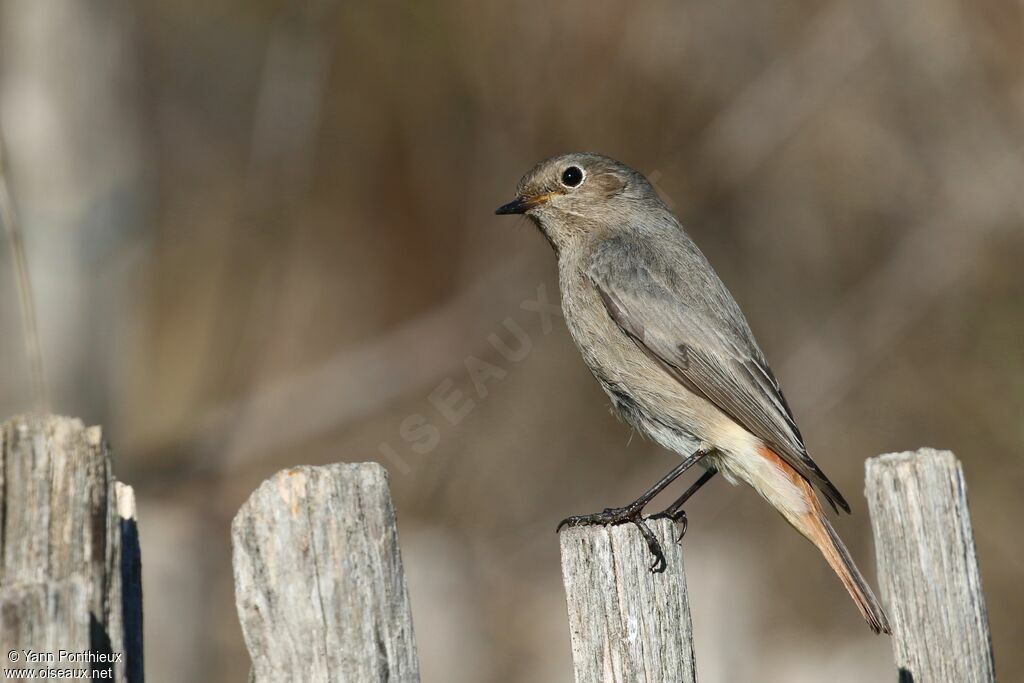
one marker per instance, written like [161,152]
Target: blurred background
[260,234]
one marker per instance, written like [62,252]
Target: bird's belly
[734,452]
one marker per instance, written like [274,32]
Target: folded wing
[681,315]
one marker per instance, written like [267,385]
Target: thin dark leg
[618,515]
[675,511]
[634,511]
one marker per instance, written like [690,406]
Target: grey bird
[671,348]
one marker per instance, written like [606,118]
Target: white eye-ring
[573,176]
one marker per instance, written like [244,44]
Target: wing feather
[682,316]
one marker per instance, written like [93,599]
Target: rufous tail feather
[814,525]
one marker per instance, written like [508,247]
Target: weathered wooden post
[928,568]
[627,624]
[319,583]
[70,572]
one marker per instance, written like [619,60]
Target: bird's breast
[605,348]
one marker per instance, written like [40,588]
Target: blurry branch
[789,92]
[930,261]
[288,107]
[76,149]
[978,167]
[26,302]
[357,382]
[281,162]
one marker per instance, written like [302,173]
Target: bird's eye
[572,176]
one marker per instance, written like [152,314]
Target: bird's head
[570,195]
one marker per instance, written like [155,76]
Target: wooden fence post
[319,584]
[927,567]
[70,571]
[627,624]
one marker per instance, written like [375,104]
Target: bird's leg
[634,511]
[675,511]
[627,514]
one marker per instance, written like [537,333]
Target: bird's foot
[609,517]
[677,516]
[613,516]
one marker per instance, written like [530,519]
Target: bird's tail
[814,525]
[838,557]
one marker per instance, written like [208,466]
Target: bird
[671,348]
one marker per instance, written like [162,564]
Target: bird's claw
[659,565]
[677,516]
[613,516]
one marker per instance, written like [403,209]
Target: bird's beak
[523,204]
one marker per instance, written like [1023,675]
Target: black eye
[572,176]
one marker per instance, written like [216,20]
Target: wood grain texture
[66,546]
[928,568]
[626,623]
[44,617]
[319,584]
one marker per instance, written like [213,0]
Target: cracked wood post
[319,584]
[70,571]
[928,568]
[626,623]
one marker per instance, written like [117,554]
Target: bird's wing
[698,334]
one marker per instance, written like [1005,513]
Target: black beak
[517,205]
